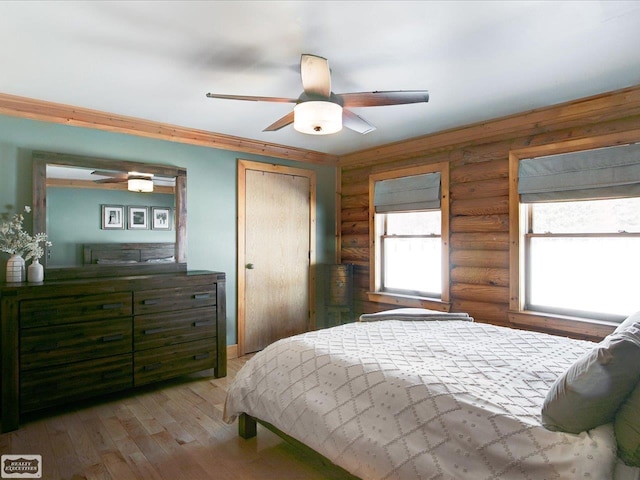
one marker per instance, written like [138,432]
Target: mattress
[425,400]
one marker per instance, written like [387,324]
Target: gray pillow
[590,392]
[627,428]
[631,319]
[413,314]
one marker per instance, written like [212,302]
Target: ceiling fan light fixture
[139,183]
[317,117]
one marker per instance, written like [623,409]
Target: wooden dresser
[67,340]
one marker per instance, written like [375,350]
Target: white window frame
[381,229]
[519,315]
[402,300]
[528,235]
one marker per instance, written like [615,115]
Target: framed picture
[138,218]
[160,218]
[113,217]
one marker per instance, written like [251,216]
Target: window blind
[611,172]
[416,192]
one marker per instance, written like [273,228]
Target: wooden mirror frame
[40,161]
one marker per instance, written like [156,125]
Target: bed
[122,259]
[128,253]
[443,397]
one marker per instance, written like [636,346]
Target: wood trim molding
[516,293]
[557,324]
[33,109]
[408,301]
[338,215]
[607,106]
[598,108]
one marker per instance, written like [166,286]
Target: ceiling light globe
[143,185]
[317,117]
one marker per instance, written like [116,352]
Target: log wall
[478,156]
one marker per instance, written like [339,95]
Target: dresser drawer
[48,346]
[171,299]
[166,362]
[57,385]
[73,309]
[164,329]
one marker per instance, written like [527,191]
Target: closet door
[276,236]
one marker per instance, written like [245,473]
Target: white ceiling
[156,60]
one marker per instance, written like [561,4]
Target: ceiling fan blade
[107,173]
[282,122]
[356,122]
[316,76]
[252,98]
[111,180]
[376,99]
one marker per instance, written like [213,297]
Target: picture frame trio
[117,217]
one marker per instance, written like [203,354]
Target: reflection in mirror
[82,205]
[133,210]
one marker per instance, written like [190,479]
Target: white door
[276,226]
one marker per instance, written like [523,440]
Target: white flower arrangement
[14,240]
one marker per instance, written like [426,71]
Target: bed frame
[121,259]
[125,253]
[248,428]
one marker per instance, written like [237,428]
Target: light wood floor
[172,431]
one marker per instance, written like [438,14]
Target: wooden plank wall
[478,157]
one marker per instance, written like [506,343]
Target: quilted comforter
[423,400]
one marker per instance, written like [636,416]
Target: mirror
[98,226]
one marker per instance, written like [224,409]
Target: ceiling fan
[319,111]
[136,181]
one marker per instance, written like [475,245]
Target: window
[409,228]
[583,257]
[411,252]
[575,237]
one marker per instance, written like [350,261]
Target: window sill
[409,301]
[574,327]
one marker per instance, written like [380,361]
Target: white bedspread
[423,400]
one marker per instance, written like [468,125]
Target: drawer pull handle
[152,366]
[113,338]
[202,296]
[112,306]
[151,301]
[152,331]
[201,356]
[202,323]
[45,348]
[111,375]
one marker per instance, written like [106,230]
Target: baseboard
[232,351]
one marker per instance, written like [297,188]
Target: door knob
[249,266]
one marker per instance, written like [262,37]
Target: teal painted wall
[211,189]
[74,217]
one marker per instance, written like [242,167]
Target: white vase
[35,272]
[15,269]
